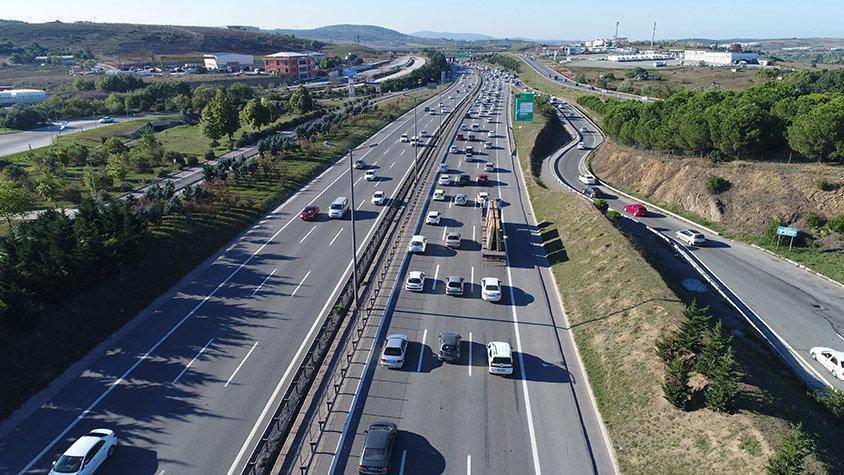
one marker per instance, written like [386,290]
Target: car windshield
[414,280]
[448,348]
[454,283]
[68,464]
[374,455]
[492,287]
[501,360]
[336,206]
[392,351]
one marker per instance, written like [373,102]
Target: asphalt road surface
[802,309]
[545,70]
[190,387]
[457,418]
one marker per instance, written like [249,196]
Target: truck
[492,233]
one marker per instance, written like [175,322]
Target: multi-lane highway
[191,382]
[549,73]
[456,417]
[799,309]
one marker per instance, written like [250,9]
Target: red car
[483,179]
[636,209]
[309,213]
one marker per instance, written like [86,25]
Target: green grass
[829,262]
[4,130]
[595,266]
[32,360]
[188,139]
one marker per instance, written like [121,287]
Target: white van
[338,207]
[499,358]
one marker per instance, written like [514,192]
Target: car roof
[449,338]
[836,353]
[379,433]
[491,280]
[454,278]
[501,348]
[82,445]
[415,273]
[416,237]
[396,339]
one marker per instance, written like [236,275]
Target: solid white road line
[240,365]
[473,232]
[421,351]
[472,276]
[403,458]
[192,361]
[468,465]
[471,362]
[445,230]
[336,236]
[307,234]
[436,274]
[264,282]
[839,336]
[300,284]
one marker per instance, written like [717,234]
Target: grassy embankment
[32,360]
[596,267]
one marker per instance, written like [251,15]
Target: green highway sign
[524,108]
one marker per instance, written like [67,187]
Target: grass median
[30,359]
[618,305]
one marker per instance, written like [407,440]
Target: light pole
[416,134]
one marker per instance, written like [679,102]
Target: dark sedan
[310,213]
[593,192]
[449,349]
[378,449]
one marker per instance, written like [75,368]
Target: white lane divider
[359,179]
[391,166]
[192,361]
[469,463]
[471,361]
[402,152]
[264,282]
[436,274]
[240,365]
[473,232]
[307,234]
[336,236]
[421,351]
[403,458]
[445,229]
[362,202]
[300,284]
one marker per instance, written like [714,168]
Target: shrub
[676,386]
[613,215]
[192,160]
[163,173]
[815,221]
[771,230]
[789,458]
[836,224]
[832,399]
[715,184]
[822,184]
[715,156]
[209,155]
[602,205]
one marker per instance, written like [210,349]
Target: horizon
[720,19]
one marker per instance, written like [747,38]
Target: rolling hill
[351,34]
[444,35]
[110,40]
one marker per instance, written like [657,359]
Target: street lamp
[416,134]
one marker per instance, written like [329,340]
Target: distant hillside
[444,35]
[109,40]
[350,34]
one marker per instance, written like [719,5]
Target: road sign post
[786,231]
[524,107]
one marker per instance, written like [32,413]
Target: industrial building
[228,61]
[10,97]
[719,58]
[295,66]
[645,56]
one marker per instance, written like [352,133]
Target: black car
[378,449]
[593,192]
[463,179]
[449,348]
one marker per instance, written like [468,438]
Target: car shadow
[417,350]
[451,223]
[420,456]
[439,250]
[521,298]
[363,215]
[140,459]
[538,370]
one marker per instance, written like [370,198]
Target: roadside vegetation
[741,410]
[80,280]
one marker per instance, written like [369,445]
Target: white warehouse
[718,58]
[228,61]
[11,97]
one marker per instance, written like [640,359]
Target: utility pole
[615,38]
[653,35]
[354,236]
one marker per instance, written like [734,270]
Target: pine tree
[723,385]
[676,386]
[789,459]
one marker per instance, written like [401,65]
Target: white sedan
[587,179]
[379,198]
[395,349]
[433,217]
[87,454]
[417,244]
[370,175]
[691,237]
[444,180]
[491,289]
[415,281]
[832,360]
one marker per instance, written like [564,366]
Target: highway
[545,70]
[191,381]
[800,309]
[457,418]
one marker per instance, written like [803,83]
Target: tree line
[435,64]
[802,113]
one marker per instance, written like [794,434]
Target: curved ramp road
[457,418]
[187,389]
[800,309]
[545,70]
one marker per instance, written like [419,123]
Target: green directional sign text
[524,107]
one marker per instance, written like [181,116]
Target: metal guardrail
[271,441]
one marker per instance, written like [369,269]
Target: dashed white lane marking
[471,361]
[240,365]
[402,152]
[445,229]
[192,361]
[391,166]
[469,457]
[307,234]
[264,282]
[421,352]
[300,284]
[336,236]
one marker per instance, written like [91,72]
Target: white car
[582,129]
[405,138]
[369,175]
[439,195]
[453,240]
[487,145]
[415,281]
[489,121]
[417,244]
[489,167]
[581,145]
[106,120]
[491,289]
[423,134]
[460,199]
[491,133]
[444,180]
[499,357]
[443,167]
[87,454]
[691,237]
[462,126]
[360,164]
[587,179]
[433,217]
[482,198]
[395,348]
[453,149]
[832,360]
[379,198]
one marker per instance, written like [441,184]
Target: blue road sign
[786,231]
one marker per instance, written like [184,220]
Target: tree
[115,146]
[301,101]
[694,328]
[117,167]
[819,133]
[84,84]
[14,199]
[257,113]
[21,117]
[790,457]
[676,386]
[219,118]
[723,385]
[149,148]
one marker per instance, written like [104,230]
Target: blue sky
[538,19]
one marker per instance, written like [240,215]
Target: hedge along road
[185,389]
